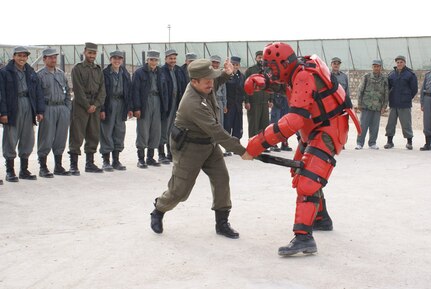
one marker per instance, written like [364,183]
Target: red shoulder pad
[303,86]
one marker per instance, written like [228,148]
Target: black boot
[389,144]
[10,172]
[285,147]
[74,164]
[90,167]
[58,169]
[141,160]
[409,144]
[24,172]
[150,158]
[106,166]
[427,145]
[43,170]
[157,221]
[301,243]
[162,157]
[323,221]
[116,161]
[222,225]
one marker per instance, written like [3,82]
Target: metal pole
[169,35]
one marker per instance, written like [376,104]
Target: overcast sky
[33,22]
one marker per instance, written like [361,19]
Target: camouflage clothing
[373,92]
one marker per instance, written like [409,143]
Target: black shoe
[60,171]
[286,148]
[324,224]
[141,164]
[92,168]
[226,230]
[26,175]
[107,167]
[426,147]
[227,154]
[118,166]
[266,151]
[157,221]
[11,177]
[164,160]
[169,157]
[409,146]
[275,149]
[74,171]
[389,145]
[152,162]
[301,243]
[45,173]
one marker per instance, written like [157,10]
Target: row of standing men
[103,100]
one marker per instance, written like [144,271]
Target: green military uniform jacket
[199,113]
[88,85]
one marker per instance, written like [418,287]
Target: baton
[269,159]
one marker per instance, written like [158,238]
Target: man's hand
[137,114]
[254,82]
[39,117]
[102,115]
[228,67]
[247,105]
[246,156]
[3,119]
[91,109]
[130,114]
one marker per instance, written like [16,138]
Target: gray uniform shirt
[55,86]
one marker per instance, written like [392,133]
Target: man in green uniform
[89,95]
[257,104]
[195,140]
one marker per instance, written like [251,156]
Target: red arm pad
[255,145]
[290,123]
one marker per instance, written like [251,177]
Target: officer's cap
[235,60]
[117,53]
[259,52]
[91,46]
[170,52]
[154,54]
[377,62]
[191,56]
[215,58]
[202,68]
[49,52]
[335,59]
[21,49]
[400,57]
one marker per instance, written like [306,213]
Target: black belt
[117,97]
[51,102]
[22,94]
[206,140]
[427,93]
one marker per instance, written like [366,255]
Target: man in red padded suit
[318,112]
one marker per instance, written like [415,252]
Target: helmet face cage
[275,61]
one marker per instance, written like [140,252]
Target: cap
[400,57]
[202,68]
[191,56]
[259,52]
[170,52]
[21,49]
[336,59]
[153,54]
[91,46]
[49,52]
[235,59]
[377,62]
[215,58]
[117,53]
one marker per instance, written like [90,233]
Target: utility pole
[169,34]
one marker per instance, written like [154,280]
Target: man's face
[400,64]
[377,68]
[203,85]
[171,60]
[50,61]
[215,64]
[116,61]
[335,66]
[259,59]
[20,58]
[152,63]
[90,55]
[236,66]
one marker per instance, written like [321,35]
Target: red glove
[255,146]
[254,82]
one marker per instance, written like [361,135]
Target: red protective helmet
[279,60]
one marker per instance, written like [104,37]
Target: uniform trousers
[149,126]
[86,126]
[370,120]
[113,128]
[188,162]
[21,134]
[53,130]
[405,116]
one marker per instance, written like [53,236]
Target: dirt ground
[92,231]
